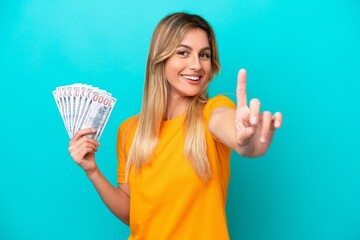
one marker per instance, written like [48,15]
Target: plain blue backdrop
[302,58]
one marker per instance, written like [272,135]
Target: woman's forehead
[196,37]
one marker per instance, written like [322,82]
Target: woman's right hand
[82,149]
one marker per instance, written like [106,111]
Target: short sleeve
[215,102]
[123,143]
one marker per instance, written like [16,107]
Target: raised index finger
[241,89]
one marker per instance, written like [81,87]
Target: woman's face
[189,68]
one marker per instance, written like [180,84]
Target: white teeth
[191,78]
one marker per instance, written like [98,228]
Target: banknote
[100,106]
[83,106]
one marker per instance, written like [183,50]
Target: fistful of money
[83,106]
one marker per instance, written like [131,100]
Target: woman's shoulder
[133,120]
[218,101]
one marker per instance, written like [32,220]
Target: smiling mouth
[191,78]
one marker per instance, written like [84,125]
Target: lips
[192,79]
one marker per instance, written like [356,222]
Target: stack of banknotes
[83,106]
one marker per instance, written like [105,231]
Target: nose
[194,63]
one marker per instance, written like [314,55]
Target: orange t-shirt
[167,199]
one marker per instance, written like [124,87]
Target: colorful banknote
[84,106]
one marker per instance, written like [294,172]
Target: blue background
[302,58]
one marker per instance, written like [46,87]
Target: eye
[205,55]
[182,53]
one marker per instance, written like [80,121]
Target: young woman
[174,155]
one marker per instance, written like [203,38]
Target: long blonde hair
[166,37]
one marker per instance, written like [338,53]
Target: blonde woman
[174,155]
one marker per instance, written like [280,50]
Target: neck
[176,106]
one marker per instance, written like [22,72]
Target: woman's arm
[246,130]
[116,199]
[82,149]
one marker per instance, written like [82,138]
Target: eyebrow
[190,48]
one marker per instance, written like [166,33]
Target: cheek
[207,68]
[169,72]
[173,69]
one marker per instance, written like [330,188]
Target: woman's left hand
[254,129]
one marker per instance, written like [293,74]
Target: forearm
[222,126]
[115,199]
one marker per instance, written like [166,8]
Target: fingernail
[277,124]
[93,130]
[262,139]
